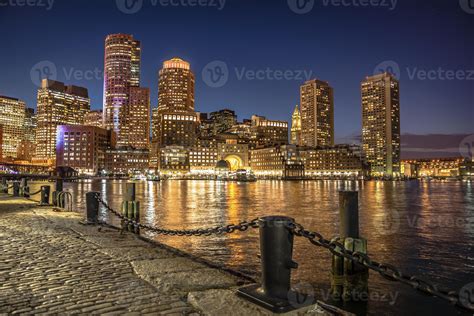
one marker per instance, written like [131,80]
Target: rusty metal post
[276,249]
[131,207]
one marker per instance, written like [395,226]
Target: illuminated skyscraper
[296,127]
[121,73]
[137,119]
[94,118]
[317,114]
[12,118]
[175,122]
[57,104]
[176,87]
[381,124]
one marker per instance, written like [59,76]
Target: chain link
[385,270]
[219,230]
[334,246]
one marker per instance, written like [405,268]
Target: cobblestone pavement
[50,264]
[49,267]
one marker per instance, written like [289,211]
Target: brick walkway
[50,264]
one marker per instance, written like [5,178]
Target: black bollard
[5,185]
[349,214]
[45,193]
[276,250]
[16,188]
[92,207]
[131,207]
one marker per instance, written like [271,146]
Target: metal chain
[334,246]
[34,193]
[242,226]
[387,271]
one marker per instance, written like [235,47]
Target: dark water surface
[424,228]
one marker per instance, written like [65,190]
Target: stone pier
[50,264]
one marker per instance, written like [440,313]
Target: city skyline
[443,104]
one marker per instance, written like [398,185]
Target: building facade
[121,73]
[12,120]
[126,161]
[222,120]
[281,162]
[94,118]
[339,161]
[433,167]
[317,114]
[138,118]
[381,124]
[57,104]
[83,148]
[268,133]
[296,127]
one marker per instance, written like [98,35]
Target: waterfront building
[339,161]
[268,133]
[280,162]
[57,104]
[175,122]
[94,118]
[202,160]
[126,161]
[317,114]
[242,130]
[174,161]
[235,153]
[83,148]
[381,124]
[122,92]
[296,127]
[434,167]
[12,119]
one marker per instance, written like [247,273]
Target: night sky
[338,44]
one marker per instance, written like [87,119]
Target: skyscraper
[121,73]
[138,118]
[296,127]
[12,118]
[175,121]
[176,87]
[317,114]
[57,104]
[381,124]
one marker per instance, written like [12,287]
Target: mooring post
[24,187]
[58,189]
[131,207]
[16,188]
[5,185]
[92,205]
[276,251]
[45,193]
[355,276]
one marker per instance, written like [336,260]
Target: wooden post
[349,280]
[92,208]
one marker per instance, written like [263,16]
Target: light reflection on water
[426,228]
